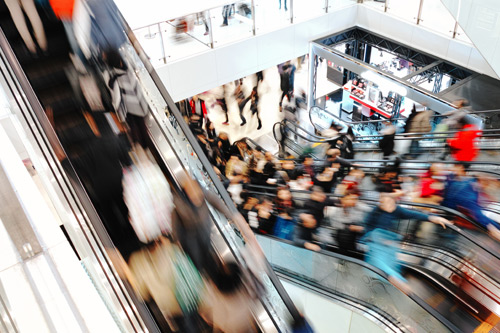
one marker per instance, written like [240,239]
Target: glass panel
[376,4]
[270,15]
[350,279]
[306,9]
[436,17]
[462,35]
[407,10]
[185,152]
[151,41]
[186,35]
[232,22]
[336,4]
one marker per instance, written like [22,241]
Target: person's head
[317,194]
[460,169]
[195,98]
[387,202]
[333,153]
[114,59]
[350,199]
[269,156]
[266,203]
[463,122]
[258,154]
[284,194]
[287,165]
[308,161]
[357,173]
[436,169]
[223,136]
[192,189]
[308,220]
[228,277]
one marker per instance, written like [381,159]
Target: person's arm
[410,214]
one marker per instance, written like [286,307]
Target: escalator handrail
[428,135]
[412,204]
[378,272]
[200,154]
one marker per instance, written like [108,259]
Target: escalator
[42,83]
[454,271]
[434,305]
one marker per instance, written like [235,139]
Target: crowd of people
[316,204]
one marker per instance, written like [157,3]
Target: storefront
[375,78]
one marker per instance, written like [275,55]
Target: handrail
[201,156]
[378,272]
[428,135]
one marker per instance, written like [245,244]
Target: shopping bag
[188,282]
[284,228]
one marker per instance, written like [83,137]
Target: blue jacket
[462,195]
[384,220]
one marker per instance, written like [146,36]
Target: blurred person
[417,122]
[389,179]
[241,148]
[285,5]
[226,11]
[99,164]
[351,182]
[254,103]
[242,101]
[198,108]
[382,240]
[227,303]
[266,215]
[333,156]
[348,220]
[224,145]
[463,194]
[235,162]
[153,277]
[249,204]
[304,235]
[17,9]
[236,186]
[285,71]
[306,168]
[270,167]
[345,145]
[284,200]
[317,202]
[327,177]
[454,117]
[285,224]
[431,186]
[192,225]
[386,144]
[463,145]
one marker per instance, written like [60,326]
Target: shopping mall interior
[250,166]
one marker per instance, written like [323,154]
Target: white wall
[216,67]
[325,316]
[420,38]
[480,20]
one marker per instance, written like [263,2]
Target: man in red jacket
[463,144]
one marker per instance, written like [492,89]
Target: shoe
[260,125]
[243,123]
[206,33]
[225,123]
